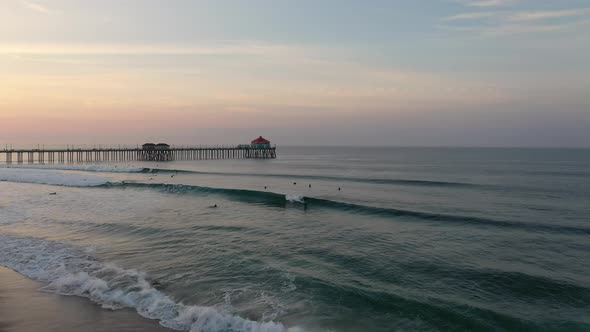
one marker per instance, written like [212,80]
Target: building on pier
[162,146]
[148,146]
[156,152]
[260,143]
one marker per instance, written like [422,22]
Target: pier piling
[72,155]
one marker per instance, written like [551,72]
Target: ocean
[334,239]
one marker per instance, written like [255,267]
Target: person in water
[213,206]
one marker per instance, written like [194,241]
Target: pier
[160,152]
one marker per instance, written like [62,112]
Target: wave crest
[85,168]
[295,198]
[50,178]
[280,200]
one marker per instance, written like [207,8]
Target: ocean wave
[295,198]
[281,200]
[438,217]
[68,271]
[450,312]
[119,169]
[85,168]
[50,178]
[244,195]
[406,182]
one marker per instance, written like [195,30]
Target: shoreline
[23,308]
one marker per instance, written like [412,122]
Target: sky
[322,72]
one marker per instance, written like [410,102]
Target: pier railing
[72,154]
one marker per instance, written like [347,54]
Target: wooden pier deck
[73,155]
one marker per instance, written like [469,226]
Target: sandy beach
[25,309]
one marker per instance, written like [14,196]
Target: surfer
[54,193]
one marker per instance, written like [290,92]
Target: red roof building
[261,142]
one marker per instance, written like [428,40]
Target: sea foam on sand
[24,309]
[72,272]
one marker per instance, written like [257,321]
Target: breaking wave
[50,178]
[295,198]
[85,168]
[243,195]
[280,200]
[68,271]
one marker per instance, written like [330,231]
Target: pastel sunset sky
[414,72]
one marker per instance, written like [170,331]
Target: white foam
[50,177]
[71,272]
[295,198]
[86,168]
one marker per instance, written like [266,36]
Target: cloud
[470,16]
[211,48]
[520,28]
[514,28]
[542,15]
[513,21]
[489,3]
[36,7]
[308,78]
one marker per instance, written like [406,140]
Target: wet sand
[24,309]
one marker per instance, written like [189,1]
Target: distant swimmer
[310,185]
[172,175]
[53,193]
[338,188]
[213,206]
[264,187]
[294,183]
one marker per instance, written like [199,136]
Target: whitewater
[39,176]
[68,271]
